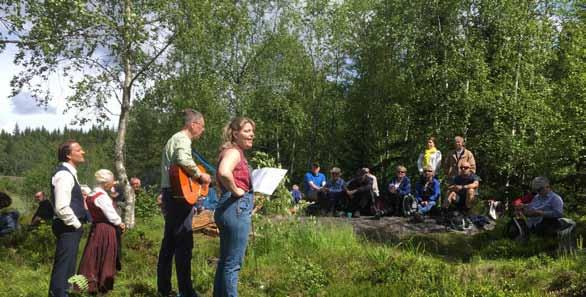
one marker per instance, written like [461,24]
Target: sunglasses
[400,171]
[428,170]
[464,167]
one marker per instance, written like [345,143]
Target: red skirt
[98,263]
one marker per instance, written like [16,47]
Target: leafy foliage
[146,205]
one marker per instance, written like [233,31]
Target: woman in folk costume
[98,263]
[430,157]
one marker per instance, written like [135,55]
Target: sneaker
[356,214]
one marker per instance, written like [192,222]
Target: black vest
[76,203]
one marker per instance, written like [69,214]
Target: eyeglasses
[464,167]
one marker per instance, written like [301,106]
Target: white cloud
[25,104]
[25,112]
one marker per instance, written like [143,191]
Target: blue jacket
[432,194]
[404,187]
[8,221]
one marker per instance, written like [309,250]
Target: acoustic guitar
[185,186]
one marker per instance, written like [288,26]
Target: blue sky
[22,109]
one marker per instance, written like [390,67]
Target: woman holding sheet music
[233,214]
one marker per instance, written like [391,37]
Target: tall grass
[293,257]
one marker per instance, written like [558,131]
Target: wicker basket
[202,220]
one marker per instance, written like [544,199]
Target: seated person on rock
[546,208]
[427,191]
[8,217]
[313,182]
[463,189]
[375,190]
[398,188]
[359,194]
[334,192]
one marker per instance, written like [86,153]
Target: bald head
[39,196]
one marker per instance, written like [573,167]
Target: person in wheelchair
[545,210]
[427,193]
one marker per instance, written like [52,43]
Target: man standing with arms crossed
[70,213]
[178,238]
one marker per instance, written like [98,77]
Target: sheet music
[266,180]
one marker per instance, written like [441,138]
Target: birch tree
[109,51]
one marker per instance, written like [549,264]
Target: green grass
[308,258]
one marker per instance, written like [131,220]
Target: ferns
[79,282]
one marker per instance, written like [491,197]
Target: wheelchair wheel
[408,206]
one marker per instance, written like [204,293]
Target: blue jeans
[425,209]
[178,242]
[233,217]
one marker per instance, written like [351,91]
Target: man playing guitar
[178,238]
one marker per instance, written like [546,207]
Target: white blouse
[104,203]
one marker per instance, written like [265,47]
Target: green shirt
[177,151]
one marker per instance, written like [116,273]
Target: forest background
[347,83]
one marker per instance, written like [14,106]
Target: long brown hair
[236,124]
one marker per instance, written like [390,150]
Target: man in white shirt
[70,213]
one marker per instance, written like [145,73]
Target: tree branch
[104,68]
[149,63]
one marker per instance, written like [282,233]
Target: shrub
[35,246]
[146,205]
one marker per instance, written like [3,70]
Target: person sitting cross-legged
[463,189]
[427,192]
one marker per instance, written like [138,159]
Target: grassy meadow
[293,257]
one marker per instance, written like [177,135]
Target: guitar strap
[204,162]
